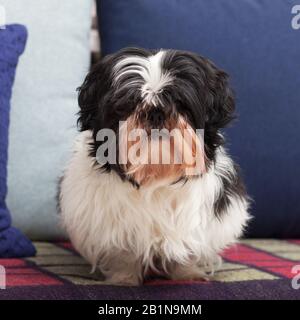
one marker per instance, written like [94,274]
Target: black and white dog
[126,217]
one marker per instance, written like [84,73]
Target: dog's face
[167,89]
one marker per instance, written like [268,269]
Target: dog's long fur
[173,223]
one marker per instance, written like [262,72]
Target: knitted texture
[12,43]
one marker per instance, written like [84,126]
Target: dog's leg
[122,268]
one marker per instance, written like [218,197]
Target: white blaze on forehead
[153,79]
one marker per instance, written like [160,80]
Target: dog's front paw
[189,272]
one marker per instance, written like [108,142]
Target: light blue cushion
[44,104]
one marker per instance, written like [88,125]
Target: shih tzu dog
[127,215]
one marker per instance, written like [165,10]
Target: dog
[129,218]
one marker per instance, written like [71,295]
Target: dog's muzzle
[156,118]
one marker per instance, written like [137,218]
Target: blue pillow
[12,43]
[254,41]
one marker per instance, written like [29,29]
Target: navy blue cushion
[255,43]
[12,42]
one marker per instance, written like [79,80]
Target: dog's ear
[91,93]
[219,109]
[214,90]
[221,106]
[218,100]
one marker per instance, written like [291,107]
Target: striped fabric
[253,269]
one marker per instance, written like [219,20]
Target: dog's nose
[156,118]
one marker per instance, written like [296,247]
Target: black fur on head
[137,81]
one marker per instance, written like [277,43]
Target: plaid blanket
[253,269]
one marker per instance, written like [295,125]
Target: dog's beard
[173,152]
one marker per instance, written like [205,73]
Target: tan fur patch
[177,154]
